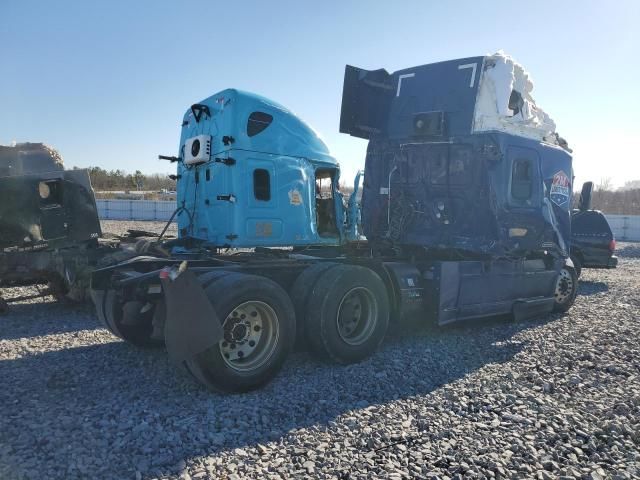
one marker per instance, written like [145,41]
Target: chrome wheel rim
[564,286]
[251,334]
[356,317]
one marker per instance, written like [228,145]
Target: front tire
[566,289]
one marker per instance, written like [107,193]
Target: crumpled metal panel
[43,206]
[456,195]
[27,158]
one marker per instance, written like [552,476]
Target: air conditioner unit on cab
[197,149]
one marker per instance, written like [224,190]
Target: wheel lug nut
[240,354]
[256,328]
[243,316]
[254,314]
[252,343]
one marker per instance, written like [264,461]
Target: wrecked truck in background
[49,225]
[465,210]
[459,158]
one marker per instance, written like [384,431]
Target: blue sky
[107,83]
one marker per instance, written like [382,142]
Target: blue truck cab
[459,158]
[253,173]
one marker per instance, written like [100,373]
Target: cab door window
[325,204]
[522,180]
[261,185]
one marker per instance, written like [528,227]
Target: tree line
[102,179]
[617,202]
[624,200]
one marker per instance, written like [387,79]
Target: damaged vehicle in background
[49,222]
[592,241]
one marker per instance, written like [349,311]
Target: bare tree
[604,184]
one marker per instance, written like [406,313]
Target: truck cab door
[216,207]
[524,225]
[328,217]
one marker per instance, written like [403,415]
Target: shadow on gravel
[588,287]
[110,410]
[28,320]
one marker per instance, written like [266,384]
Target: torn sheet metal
[28,158]
[505,102]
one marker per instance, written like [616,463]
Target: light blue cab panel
[253,174]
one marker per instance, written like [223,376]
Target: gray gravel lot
[557,397]
[120,227]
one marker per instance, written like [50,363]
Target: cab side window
[257,122]
[460,165]
[522,177]
[261,185]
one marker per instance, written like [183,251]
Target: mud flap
[192,325]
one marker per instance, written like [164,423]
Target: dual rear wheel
[345,314]
[342,312]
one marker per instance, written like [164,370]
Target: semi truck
[463,213]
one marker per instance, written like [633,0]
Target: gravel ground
[557,397]
[120,227]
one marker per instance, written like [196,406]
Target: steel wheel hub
[564,286]
[251,334]
[356,316]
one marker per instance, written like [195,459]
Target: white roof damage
[505,103]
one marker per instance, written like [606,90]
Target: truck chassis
[231,320]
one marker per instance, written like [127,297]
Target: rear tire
[566,289]
[140,333]
[300,294]
[259,323]
[206,280]
[347,314]
[209,278]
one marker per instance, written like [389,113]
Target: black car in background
[592,241]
